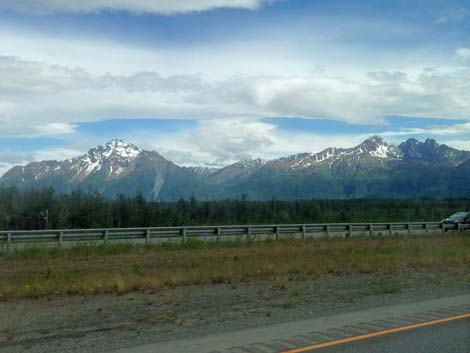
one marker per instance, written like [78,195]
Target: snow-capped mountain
[116,167]
[372,148]
[371,169]
[114,159]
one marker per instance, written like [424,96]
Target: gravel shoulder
[100,323]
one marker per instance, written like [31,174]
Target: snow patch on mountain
[122,149]
[116,156]
[377,147]
[302,161]
[374,146]
[251,163]
[381,152]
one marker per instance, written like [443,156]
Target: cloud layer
[227,74]
[37,99]
[135,6]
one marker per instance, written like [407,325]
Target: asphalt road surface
[452,336]
[439,325]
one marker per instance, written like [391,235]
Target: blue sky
[209,82]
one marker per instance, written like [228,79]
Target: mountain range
[372,169]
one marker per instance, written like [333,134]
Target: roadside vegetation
[124,268]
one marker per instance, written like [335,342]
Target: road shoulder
[290,335]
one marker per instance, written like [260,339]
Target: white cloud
[58,154]
[463,53]
[166,7]
[55,129]
[232,140]
[37,98]
[215,142]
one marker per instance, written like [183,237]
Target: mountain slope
[371,169]
[117,167]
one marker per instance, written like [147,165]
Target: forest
[46,209]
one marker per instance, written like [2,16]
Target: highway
[439,325]
[451,336]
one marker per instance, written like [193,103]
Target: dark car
[457,218]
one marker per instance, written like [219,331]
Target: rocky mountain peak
[377,147]
[118,148]
[431,151]
[374,140]
[114,158]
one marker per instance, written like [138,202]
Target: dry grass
[124,268]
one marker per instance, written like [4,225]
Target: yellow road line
[378,333]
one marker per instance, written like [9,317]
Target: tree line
[40,209]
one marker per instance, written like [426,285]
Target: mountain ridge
[373,168]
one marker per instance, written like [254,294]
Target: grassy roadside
[124,268]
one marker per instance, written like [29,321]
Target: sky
[210,82]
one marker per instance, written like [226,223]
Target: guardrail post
[147,236]
[278,232]
[9,244]
[371,230]
[408,225]
[349,231]
[426,228]
[327,230]
[61,238]
[390,229]
[106,236]
[304,232]
[218,232]
[183,235]
[248,233]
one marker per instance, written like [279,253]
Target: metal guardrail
[218,233]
